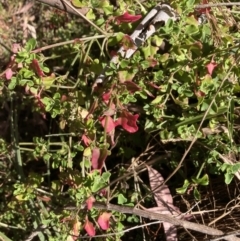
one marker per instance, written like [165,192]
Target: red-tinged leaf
[103,156]
[154,85]
[90,202]
[211,66]
[107,123]
[152,62]
[98,158]
[149,94]
[86,140]
[131,86]
[199,93]
[106,96]
[103,220]
[128,43]
[128,121]
[95,157]
[198,44]
[125,75]
[127,18]
[88,226]
[103,192]
[36,68]
[8,74]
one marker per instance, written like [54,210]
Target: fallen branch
[164,218]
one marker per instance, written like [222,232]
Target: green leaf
[21,56]
[99,21]
[157,100]
[97,185]
[48,102]
[149,51]
[90,15]
[228,177]
[204,181]
[27,73]
[145,64]
[12,83]
[108,10]
[192,21]
[125,75]
[179,53]
[104,3]
[183,189]
[124,63]
[164,57]
[190,3]
[191,29]
[121,199]
[133,219]
[149,125]
[196,194]
[224,167]
[79,3]
[87,152]
[30,45]
[235,167]
[115,39]
[169,25]
[48,81]
[156,40]
[57,96]
[106,176]
[206,32]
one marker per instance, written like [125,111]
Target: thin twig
[77,40]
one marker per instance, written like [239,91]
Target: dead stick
[165,218]
[158,216]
